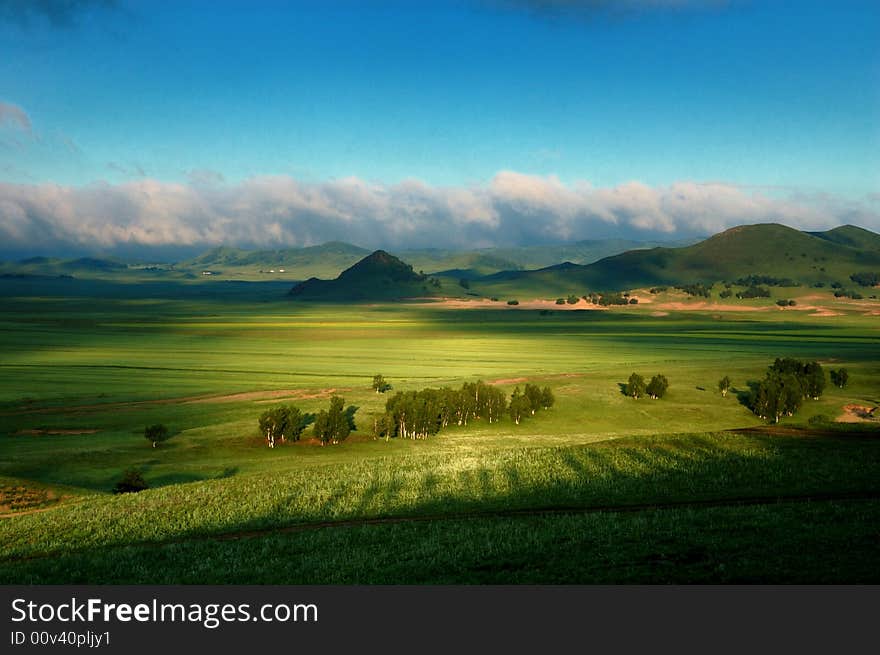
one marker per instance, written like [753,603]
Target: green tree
[519,406]
[840,377]
[547,398]
[657,386]
[334,424]
[724,386]
[635,387]
[156,434]
[813,380]
[379,384]
[282,423]
[533,394]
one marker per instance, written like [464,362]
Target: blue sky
[776,98]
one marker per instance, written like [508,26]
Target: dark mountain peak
[378,275]
[380,264]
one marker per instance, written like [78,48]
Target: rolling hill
[764,249]
[378,276]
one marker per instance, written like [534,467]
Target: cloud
[277,211]
[13,116]
[58,13]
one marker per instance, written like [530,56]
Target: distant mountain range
[338,270]
[324,261]
[768,250]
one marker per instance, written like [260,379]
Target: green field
[600,488]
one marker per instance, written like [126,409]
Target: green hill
[298,263]
[378,276]
[852,236]
[767,250]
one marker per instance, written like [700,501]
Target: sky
[466,123]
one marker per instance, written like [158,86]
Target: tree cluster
[785,386]
[865,279]
[282,423]
[768,280]
[335,423]
[656,388]
[839,377]
[532,399]
[845,293]
[754,292]
[696,289]
[420,414]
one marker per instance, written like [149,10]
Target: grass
[81,379]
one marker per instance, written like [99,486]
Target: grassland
[83,373]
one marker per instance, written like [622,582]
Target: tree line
[288,423]
[420,414]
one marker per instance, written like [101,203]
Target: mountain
[765,249]
[378,276]
[852,236]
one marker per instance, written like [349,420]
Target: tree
[334,424]
[533,394]
[840,377]
[724,386]
[131,482]
[813,380]
[547,398]
[635,387]
[519,406]
[156,434]
[379,384]
[657,386]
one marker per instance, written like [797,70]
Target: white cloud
[512,209]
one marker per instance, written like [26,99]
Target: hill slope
[765,249]
[378,276]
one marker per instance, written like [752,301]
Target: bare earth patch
[857,414]
[508,381]
[16,500]
[701,305]
[265,396]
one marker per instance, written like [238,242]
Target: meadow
[601,487]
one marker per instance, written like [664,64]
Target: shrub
[131,482]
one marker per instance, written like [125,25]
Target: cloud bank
[278,211]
